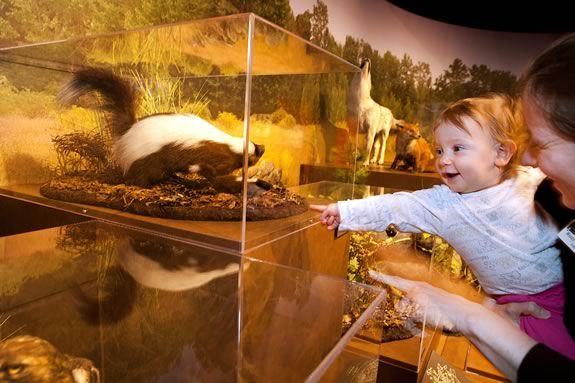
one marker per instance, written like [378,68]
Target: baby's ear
[504,151]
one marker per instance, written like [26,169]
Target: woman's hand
[439,307]
[497,338]
[513,311]
[329,215]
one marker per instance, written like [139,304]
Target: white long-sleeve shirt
[501,233]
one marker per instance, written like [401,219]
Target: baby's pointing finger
[318,207]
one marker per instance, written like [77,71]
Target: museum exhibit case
[252,98]
[136,307]
[398,329]
[262,102]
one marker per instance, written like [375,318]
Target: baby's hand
[329,215]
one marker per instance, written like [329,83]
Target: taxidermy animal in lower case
[154,148]
[411,150]
[28,359]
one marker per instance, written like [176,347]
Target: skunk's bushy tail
[117,95]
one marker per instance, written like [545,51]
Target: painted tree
[303,25]
[450,85]
[7,31]
[319,21]
[422,78]
[351,50]
[277,11]
[154,12]
[309,101]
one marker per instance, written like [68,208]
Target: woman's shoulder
[550,200]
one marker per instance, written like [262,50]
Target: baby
[485,210]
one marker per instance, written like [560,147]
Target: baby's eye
[457,148]
[438,151]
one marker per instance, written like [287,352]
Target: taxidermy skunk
[152,149]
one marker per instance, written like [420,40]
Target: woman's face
[554,154]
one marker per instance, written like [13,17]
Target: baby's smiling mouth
[450,175]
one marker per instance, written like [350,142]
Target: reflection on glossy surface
[164,266]
[193,47]
[151,309]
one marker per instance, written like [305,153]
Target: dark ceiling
[549,16]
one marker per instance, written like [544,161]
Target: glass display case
[252,82]
[398,329]
[132,297]
[141,308]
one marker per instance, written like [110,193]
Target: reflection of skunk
[162,265]
[156,263]
[155,147]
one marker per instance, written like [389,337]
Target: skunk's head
[255,152]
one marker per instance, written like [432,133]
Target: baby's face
[466,161]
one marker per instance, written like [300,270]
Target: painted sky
[387,27]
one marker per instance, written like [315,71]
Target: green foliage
[361,249]
[303,25]
[22,21]
[460,81]
[24,102]
[319,20]
[161,94]
[309,103]
[88,145]
[283,119]
[277,11]
[447,260]
[228,122]
[361,171]
[80,152]
[334,90]
[351,50]
[398,83]
[153,12]
[279,115]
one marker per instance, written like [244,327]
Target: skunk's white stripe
[150,273]
[149,135]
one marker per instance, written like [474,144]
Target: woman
[548,98]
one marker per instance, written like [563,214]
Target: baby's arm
[329,215]
[412,212]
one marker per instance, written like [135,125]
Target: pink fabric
[552,331]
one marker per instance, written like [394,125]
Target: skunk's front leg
[233,184]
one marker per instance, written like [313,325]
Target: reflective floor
[144,308]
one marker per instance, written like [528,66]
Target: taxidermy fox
[153,148]
[410,148]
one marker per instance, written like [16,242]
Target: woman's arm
[497,338]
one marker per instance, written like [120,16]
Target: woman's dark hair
[550,83]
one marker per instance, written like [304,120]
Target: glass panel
[143,308]
[397,328]
[197,67]
[298,109]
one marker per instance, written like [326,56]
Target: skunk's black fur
[155,147]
